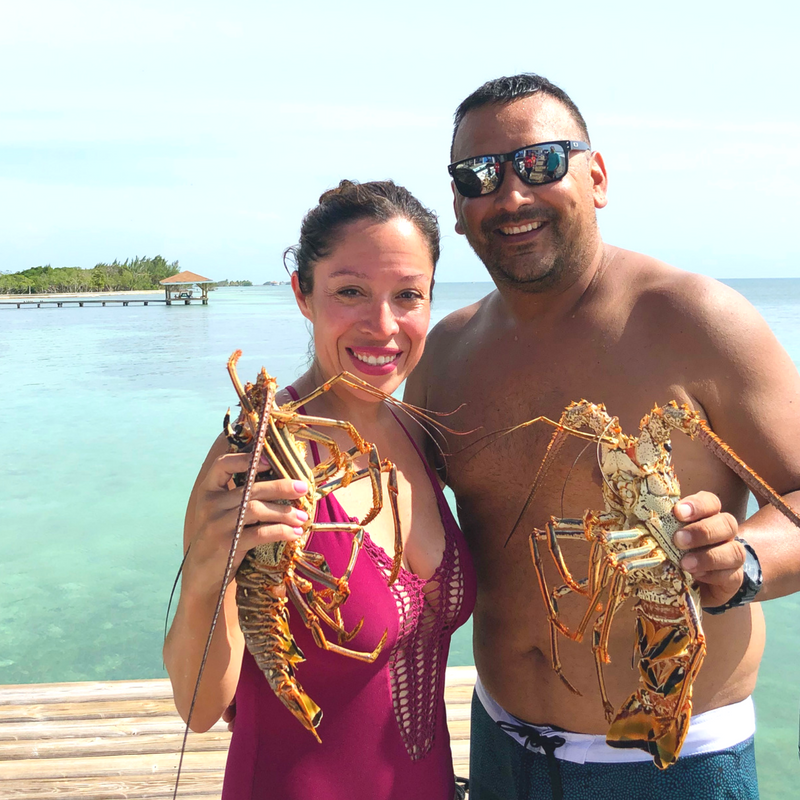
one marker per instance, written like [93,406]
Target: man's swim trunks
[503,768]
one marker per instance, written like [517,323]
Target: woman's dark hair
[323,226]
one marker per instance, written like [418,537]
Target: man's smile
[516,230]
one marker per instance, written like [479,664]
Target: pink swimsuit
[384,732]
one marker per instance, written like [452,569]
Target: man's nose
[512,193]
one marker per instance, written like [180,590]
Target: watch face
[753,578]
[751,581]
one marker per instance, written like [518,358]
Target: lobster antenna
[174,587]
[566,480]
[599,459]
[252,471]
[553,446]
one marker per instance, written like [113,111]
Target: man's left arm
[751,394]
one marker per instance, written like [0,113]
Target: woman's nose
[382,319]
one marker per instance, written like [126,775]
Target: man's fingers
[717,529]
[696,507]
[717,593]
[704,563]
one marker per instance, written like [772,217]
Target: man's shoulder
[653,283]
[453,326]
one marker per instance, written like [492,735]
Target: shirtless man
[575,318]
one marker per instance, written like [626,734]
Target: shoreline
[57,295]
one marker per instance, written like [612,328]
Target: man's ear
[599,180]
[303,301]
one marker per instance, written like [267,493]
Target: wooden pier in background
[96,301]
[122,739]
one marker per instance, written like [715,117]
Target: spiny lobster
[632,555]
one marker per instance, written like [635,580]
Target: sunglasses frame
[499,158]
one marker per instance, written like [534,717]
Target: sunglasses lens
[476,176]
[542,163]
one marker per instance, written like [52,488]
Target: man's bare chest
[519,384]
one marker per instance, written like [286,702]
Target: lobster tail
[264,620]
[636,726]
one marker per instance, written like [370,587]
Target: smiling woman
[370,305]
[364,275]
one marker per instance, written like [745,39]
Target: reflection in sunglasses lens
[536,165]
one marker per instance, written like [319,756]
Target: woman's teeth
[531,226]
[375,361]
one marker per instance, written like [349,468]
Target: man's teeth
[375,361]
[531,226]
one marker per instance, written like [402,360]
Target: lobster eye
[668,446]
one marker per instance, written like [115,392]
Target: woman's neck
[340,402]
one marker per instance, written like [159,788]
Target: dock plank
[121,739]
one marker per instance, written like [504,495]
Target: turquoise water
[110,412]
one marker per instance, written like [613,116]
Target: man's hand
[715,560]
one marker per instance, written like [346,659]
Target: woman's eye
[410,294]
[348,292]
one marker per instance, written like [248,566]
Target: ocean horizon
[117,407]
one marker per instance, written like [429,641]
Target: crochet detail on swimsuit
[427,609]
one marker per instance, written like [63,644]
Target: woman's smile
[370,304]
[374,360]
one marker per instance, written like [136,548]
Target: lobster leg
[616,597]
[311,621]
[302,423]
[547,595]
[374,469]
[555,659]
[623,569]
[565,529]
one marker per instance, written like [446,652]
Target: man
[575,318]
[553,163]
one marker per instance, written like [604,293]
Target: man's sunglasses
[535,164]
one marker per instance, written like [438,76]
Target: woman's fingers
[224,468]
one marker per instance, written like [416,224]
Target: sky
[203,131]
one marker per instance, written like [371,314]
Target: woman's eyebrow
[345,271]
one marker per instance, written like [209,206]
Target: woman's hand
[208,532]
[213,513]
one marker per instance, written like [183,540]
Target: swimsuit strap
[431,474]
[314,449]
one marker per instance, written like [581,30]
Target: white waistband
[709,732]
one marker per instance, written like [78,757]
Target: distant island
[217,284]
[119,276]
[277,283]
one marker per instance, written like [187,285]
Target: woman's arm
[208,531]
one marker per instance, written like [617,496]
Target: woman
[364,274]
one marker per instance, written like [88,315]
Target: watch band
[751,581]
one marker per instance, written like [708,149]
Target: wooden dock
[81,302]
[122,739]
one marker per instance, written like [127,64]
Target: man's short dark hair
[506,90]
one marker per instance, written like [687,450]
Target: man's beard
[566,258]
